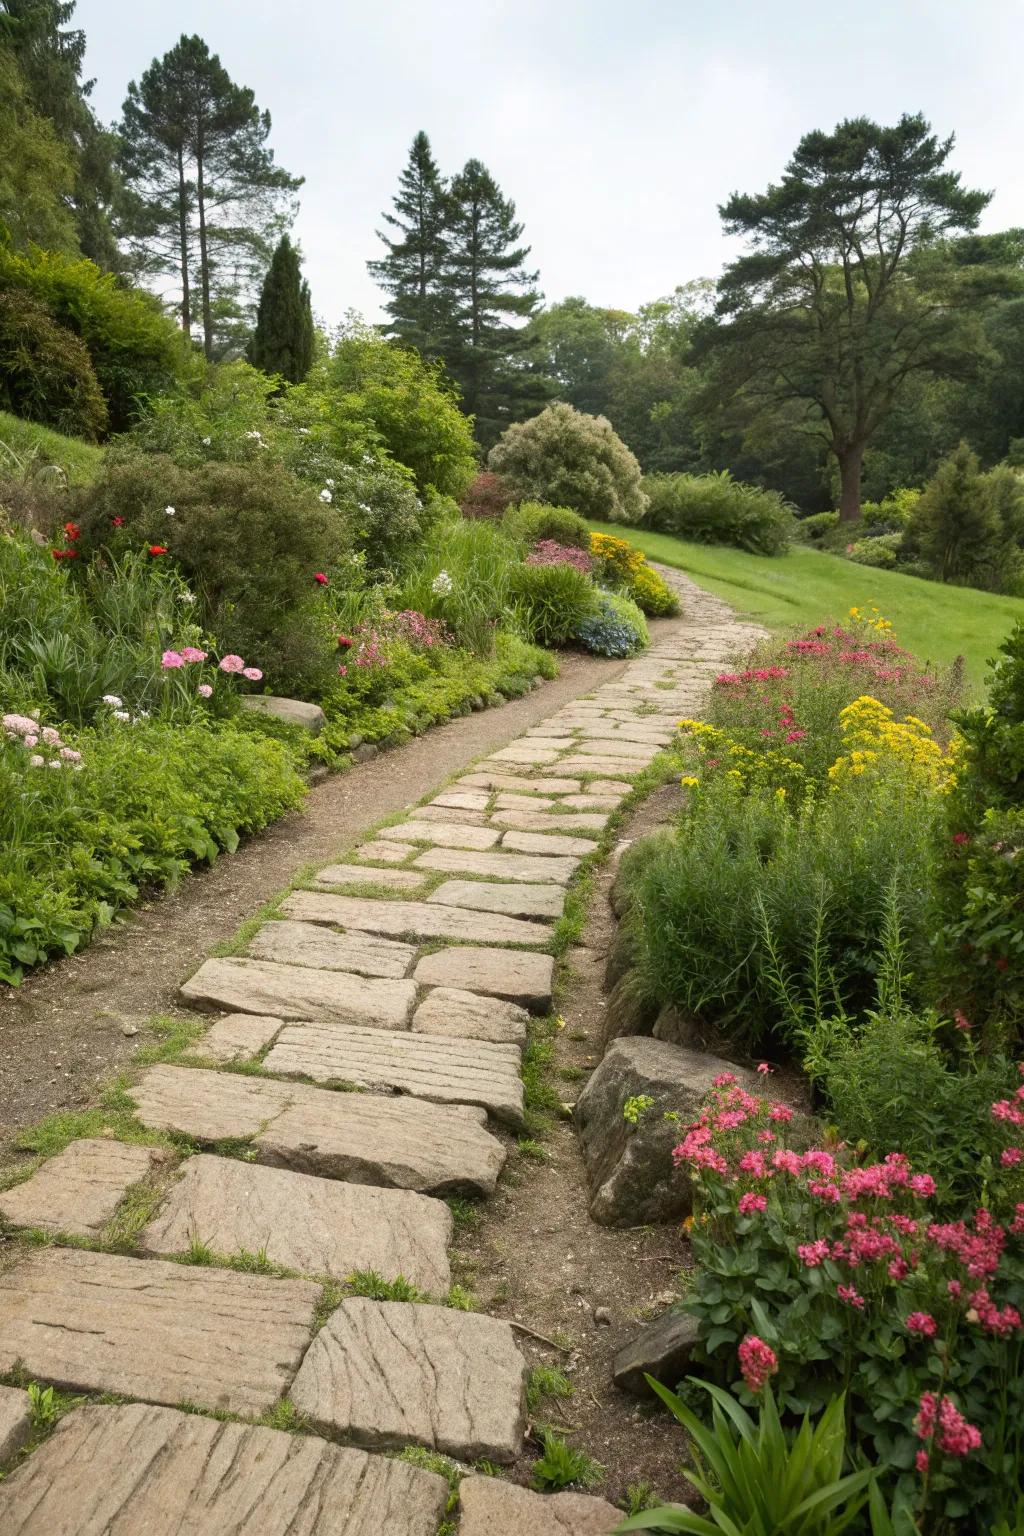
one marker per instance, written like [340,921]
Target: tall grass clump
[464,576]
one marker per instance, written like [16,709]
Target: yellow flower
[689,780]
[780,794]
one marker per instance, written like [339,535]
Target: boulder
[632,1177]
[292,711]
[628,1012]
[663,1350]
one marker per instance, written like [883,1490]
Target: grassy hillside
[79,460]
[936,622]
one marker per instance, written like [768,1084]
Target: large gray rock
[628,1011]
[292,711]
[415,919]
[358,874]
[545,842]
[294,943]
[468,1016]
[389,1374]
[510,898]
[317,1226]
[501,866]
[15,1425]
[514,974]
[632,1178]
[168,1333]
[442,834]
[240,985]
[663,1350]
[493,1507]
[137,1470]
[399,1143]
[439,1070]
[79,1190]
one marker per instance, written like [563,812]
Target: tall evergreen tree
[412,271]
[208,202]
[486,286]
[283,339]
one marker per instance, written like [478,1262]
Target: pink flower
[898,1269]
[753,1163]
[1011,1157]
[749,1203]
[795,735]
[955,1436]
[232,664]
[921,1461]
[780,1112]
[850,1294]
[204,690]
[786,1161]
[922,1184]
[50,736]
[763,1068]
[813,1254]
[961,1021]
[961,838]
[320,578]
[724,1079]
[252,673]
[192,653]
[70,755]
[757,1362]
[922,1323]
[172,659]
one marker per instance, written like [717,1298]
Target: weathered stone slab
[512,783]
[15,1426]
[433,1068]
[385,852]
[300,992]
[502,866]
[512,900]
[619,747]
[463,799]
[294,943]
[137,1470]
[611,733]
[523,752]
[590,802]
[442,834]
[545,842]
[514,974]
[493,1507]
[399,1143]
[537,821]
[467,1016]
[236,1037]
[293,711]
[449,813]
[416,919]
[168,1333]
[317,1226]
[358,874]
[664,1350]
[618,766]
[79,1190]
[536,740]
[608,787]
[506,802]
[388,1374]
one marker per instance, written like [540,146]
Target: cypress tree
[283,339]
[412,271]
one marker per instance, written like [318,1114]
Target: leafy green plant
[367,1282]
[532,521]
[546,1381]
[617,629]
[44,1407]
[562,1466]
[716,509]
[757,1477]
[566,458]
[45,370]
[463,575]
[551,603]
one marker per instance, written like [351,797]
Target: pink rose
[232,664]
[252,673]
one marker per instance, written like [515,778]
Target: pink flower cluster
[751,675]
[549,552]
[418,630]
[29,734]
[757,1362]
[940,1421]
[235,664]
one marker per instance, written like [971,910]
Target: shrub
[551,602]
[716,509]
[572,460]
[45,371]
[136,350]
[892,514]
[879,552]
[968,526]
[532,521]
[488,496]
[617,629]
[622,566]
[463,575]
[814,529]
[652,593]
[251,540]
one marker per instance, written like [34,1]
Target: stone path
[364,1062]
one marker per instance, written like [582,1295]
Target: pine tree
[283,339]
[412,270]
[208,204]
[485,286]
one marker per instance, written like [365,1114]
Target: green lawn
[804,587]
[79,460]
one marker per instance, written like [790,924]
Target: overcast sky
[618,126]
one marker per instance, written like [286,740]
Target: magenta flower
[172,659]
[922,1323]
[757,1362]
[813,1254]
[850,1294]
[232,664]
[749,1203]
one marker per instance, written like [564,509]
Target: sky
[617,126]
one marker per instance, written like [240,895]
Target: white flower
[207,441]
[325,495]
[121,714]
[36,761]
[364,508]
[442,584]
[256,437]
[367,458]
[329,484]
[113,700]
[53,763]
[303,431]
[170,511]
[188,597]
[143,714]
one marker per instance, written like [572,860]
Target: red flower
[158,549]
[117,522]
[73,531]
[64,554]
[344,642]
[960,838]
[320,577]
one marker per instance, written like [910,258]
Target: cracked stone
[358,874]
[15,1425]
[466,1015]
[236,1037]
[295,943]
[514,974]
[492,1507]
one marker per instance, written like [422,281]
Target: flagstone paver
[547,842]
[511,782]
[385,852]
[79,1190]
[166,1333]
[236,1037]
[358,874]
[500,866]
[240,985]
[492,1507]
[295,943]
[449,813]
[317,1226]
[399,1143]
[514,974]
[389,1374]
[468,1016]
[463,799]
[421,919]
[15,1425]
[536,821]
[442,834]
[512,900]
[138,1470]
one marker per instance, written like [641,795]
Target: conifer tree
[486,286]
[412,271]
[283,339]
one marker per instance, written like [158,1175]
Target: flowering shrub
[833,1275]
[624,568]
[618,629]
[547,552]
